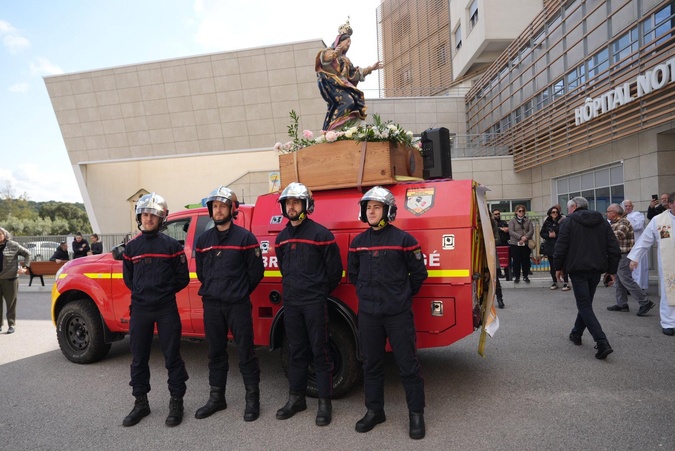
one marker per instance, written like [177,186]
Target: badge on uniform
[183,259]
[257,252]
[418,254]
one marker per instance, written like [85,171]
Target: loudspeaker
[436,153]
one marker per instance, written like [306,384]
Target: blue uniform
[155,269]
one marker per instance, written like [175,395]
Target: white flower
[331,136]
[277,147]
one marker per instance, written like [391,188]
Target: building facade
[584,99]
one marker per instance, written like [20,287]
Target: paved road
[535,390]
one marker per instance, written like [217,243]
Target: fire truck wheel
[346,367]
[80,332]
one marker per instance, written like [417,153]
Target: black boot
[325,413]
[252,411]
[604,349]
[141,410]
[417,429]
[371,419]
[215,403]
[175,416]
[296,403]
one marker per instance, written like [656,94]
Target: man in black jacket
[229,266]
[310,265]
[387,267]
[155,269]
[657,206]
[586,248]
[61,253]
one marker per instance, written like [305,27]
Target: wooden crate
[347,164]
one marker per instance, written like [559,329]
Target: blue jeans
[584,285]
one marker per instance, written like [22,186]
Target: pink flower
[331,136]
[307,134]
[288,145]
[277,147]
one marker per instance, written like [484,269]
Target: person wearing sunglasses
[521,231]
[549,233]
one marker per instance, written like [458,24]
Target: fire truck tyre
[346,367]
[79,330]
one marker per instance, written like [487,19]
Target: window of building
[403,25]
[441,55]
[473,13]
[405,76]
[601,187]
[656,29]
[458,37]
[527,107]
[624,49]
[508,206]
[598,65]
[542,99]
[576,78]
[558,89]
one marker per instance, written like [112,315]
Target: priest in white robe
[661,230]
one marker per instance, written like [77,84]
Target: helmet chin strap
[382,222]
[302,216]
[223,221]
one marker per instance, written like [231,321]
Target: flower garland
[378,131]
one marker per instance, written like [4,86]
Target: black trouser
[553,271]
[218,318]
[373,334]
[141,330]
[521,260]
[307,332]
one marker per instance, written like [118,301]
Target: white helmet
[297,190]
[155,205]
[379,194]
[227,196]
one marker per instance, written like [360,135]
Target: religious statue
[337,78]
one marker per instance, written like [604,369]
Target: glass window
[625,47]
[598,64]
[458,37]
[473,13]
[177,230]
[576,78]
[594,185]
[558,89]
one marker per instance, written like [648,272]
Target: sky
[40,38]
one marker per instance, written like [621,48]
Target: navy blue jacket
[387,268]
[229,264]
[154,269]
[586,243]
[309,261]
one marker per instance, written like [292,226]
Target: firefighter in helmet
[229,267]
[310,264]
[155,269]
[387,267]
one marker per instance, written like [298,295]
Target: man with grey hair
[637,220]
[586,248]
[625,284]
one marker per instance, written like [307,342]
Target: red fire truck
[90,303]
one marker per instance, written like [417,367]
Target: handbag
[531,244]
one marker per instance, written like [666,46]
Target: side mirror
[117,251]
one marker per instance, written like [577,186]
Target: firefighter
[229,267]
[155,269]
[309,260]
[387,267]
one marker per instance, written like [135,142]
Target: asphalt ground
[535,390]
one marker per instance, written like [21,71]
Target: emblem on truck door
[419,200]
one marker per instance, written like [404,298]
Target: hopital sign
[650,81]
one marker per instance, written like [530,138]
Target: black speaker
[436,153]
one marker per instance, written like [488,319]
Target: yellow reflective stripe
[272,274]
[449,272]
[98,275]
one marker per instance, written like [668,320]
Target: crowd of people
[584,245]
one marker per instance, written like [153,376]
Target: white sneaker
[554,286]
[566,287]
